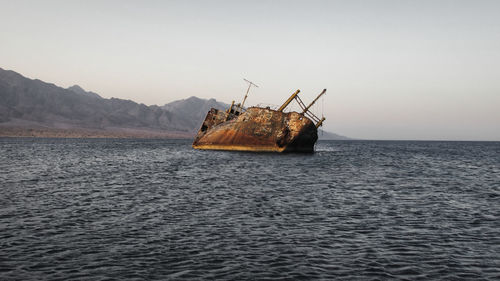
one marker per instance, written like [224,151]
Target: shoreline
[117,133]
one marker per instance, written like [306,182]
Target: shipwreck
[260,129]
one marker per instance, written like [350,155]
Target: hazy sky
[393,69]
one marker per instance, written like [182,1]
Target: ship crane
[305,109]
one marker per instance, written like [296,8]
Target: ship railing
[268,105]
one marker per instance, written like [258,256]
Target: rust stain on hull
[256,129]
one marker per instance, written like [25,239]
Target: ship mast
[250,84]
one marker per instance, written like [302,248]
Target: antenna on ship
[250,84]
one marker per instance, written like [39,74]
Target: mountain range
[31,107]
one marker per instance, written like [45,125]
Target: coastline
[9,131]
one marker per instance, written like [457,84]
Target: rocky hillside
[37,105]
[36,101]
[190,113]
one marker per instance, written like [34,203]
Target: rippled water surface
[157,209]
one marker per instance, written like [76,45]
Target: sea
[135,209]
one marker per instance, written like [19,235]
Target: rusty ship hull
[260,129]
[257,129]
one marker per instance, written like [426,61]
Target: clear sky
[427,70]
